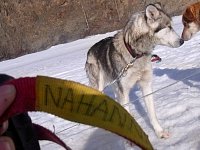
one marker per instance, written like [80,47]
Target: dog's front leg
[147,89]
[121,92]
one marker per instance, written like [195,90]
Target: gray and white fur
[108,57]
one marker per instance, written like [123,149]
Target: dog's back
[191,21]
[99,50]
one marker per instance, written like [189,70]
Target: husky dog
[107,58]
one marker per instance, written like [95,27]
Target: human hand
[7,95]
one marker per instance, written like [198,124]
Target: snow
[176,81]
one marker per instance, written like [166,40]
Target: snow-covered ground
[177,100]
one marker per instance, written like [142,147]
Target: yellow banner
[79,103]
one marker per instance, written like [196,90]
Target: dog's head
[191,21]
[160,26]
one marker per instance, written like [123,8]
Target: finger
[6,143]
[3,127]
[7,95]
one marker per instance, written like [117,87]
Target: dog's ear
[152,12]
[188,15]
[158,5]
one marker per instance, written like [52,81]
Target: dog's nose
[181,41]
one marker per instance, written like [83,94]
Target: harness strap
[45,134]
[66,99]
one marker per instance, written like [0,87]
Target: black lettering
[102,108]
[116,114]
[86,104]
[49,95]
[69,98]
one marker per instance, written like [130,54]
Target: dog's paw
[163,134]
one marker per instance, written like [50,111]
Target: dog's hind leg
[100,82]
[92,75]
[146,87]
[95,76]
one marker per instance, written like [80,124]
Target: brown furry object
[191,21]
